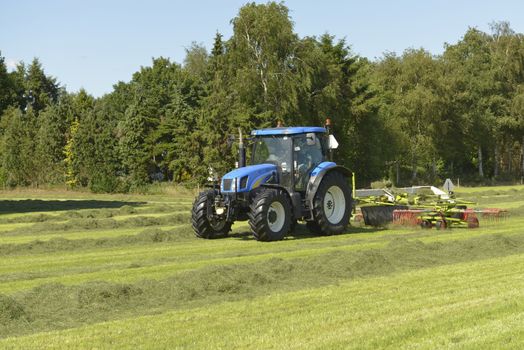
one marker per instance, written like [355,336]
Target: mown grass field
[112,271]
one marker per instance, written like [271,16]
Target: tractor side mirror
[332,142]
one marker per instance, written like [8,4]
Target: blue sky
[94,44]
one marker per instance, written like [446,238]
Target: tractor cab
[290,178]
[294,151]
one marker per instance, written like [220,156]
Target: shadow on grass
[301,232]
[37,205]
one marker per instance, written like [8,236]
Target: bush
[104,183]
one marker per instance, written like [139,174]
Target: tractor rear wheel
[270,215]
[332,204]
[204,225]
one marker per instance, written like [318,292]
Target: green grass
[508,188]
[447,306]
[75,235]
[162,259]
[96,271]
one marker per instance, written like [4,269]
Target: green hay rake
[424,206]
[444,217]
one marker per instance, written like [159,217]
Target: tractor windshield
[273,149]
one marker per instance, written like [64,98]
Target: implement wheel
[332,204]
[206,225]
[473,222]
[426,224]
[441,224]
[270,216]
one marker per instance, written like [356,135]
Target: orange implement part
[407,217]
[470,216]
[494,214]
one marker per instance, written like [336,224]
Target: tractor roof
[288,131]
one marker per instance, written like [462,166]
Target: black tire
[426,224]
[334,222]
[293,226]
[202,225]
[267,209]
[313,227]
[441,225]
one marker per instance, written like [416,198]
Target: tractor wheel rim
[276,216]
[334,204]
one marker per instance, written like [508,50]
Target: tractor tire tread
[313,227]
[200,222]
[257,215]
[323,226]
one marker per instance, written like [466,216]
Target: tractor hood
[247,178]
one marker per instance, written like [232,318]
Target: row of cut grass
[76,235]
[157,261]
[453,306]
[122,213]
[168,263]
[48,306]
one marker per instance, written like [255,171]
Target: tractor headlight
[234,185]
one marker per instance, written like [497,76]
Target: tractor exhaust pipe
[328,125]
[241,150]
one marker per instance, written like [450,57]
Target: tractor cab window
[309,151]
[275,150]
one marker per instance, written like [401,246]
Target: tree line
[411,118]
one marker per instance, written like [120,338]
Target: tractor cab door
[275,150]
[308,152]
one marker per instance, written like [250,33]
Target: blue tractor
[290,178]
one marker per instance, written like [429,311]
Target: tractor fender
[294,198]
[318,174]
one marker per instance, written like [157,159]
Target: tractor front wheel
[332,204]
[270,215]
[313,227]
[204,222]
